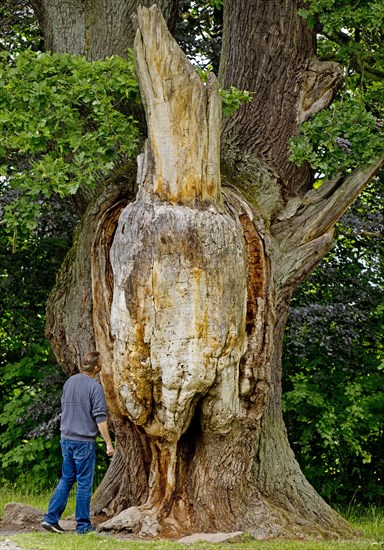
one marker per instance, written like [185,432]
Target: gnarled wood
[194,331]
[321,82]
[177,323]
[185,291]
[304,229]
[69,326]
[183,116]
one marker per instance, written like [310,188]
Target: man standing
[83,415]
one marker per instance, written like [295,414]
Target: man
[83,415]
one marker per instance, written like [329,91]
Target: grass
[370,523]
[42,541]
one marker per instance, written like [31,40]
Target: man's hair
[90,361]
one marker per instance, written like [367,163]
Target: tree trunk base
[262,520]
[219,489]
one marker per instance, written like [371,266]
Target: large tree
[183,279]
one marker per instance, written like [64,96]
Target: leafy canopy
[350,132]
[66,122]
[63,124]
[199,32]
[19,29]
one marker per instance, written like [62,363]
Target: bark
[184,288]
[69,325]
[126,482]
[97,29]
[196,327]
[274,59]
[304,228]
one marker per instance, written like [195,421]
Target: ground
[22,518]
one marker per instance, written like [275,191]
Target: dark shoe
[52,527]
[87,530]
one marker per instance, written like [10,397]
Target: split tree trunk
[186,297]
[188,320]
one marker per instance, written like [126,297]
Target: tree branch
[322,81]
[363,63]
[304,229]
[304,220]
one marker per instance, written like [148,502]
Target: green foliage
[233,99]
[216,3]
[319,142]
[340,427]
[334,362]
[199,32]
[19,29]
[30,379]
[31,400]
[64,122]
[350,132]
[352,33]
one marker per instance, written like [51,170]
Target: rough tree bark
[185,290]
[96,29]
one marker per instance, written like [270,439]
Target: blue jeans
[79,459]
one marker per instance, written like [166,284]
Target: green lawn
[371,524]
[47,541]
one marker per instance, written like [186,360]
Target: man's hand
[103,429]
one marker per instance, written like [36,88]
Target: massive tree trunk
[185,289]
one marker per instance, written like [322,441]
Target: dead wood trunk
[195,325]
[185,293]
